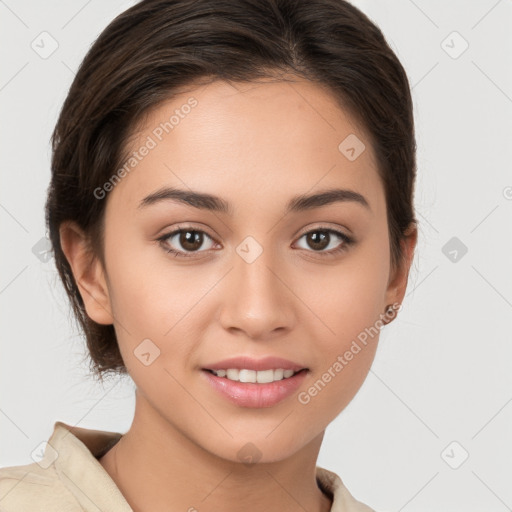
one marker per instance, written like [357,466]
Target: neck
[157,467]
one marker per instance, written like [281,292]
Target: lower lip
[249,394]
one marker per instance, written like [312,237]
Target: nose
[256,299]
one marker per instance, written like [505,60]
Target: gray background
[440,388]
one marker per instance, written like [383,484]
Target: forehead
[258,142]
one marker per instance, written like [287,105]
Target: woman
[231,214]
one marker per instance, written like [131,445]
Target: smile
[260,377]
[252,393]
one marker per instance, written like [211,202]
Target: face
[256,279]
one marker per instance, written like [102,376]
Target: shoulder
[343,501]
[33,488]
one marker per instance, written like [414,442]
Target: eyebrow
[213,203]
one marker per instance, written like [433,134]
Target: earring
[391,313]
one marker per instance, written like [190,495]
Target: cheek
[143,303]
[153,298]
[350,305]
[348,297]
[145,294]
[329,391]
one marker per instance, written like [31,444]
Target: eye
[189,238]
[321,237]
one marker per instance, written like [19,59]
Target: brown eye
[186,240]
[321,238]
[318,240]
[190,240]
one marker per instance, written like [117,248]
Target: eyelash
[333,252]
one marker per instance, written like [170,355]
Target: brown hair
[157,46]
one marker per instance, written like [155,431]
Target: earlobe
[88,273]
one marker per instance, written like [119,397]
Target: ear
[397,283]
[87,271]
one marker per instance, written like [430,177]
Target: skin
[256,146]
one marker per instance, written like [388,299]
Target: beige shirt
[69,478]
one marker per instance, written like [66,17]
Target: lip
[249,363]
[249,394]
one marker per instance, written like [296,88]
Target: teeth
[261,377]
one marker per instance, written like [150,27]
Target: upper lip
[246,362]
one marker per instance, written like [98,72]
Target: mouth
[254,389]
[255,376]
